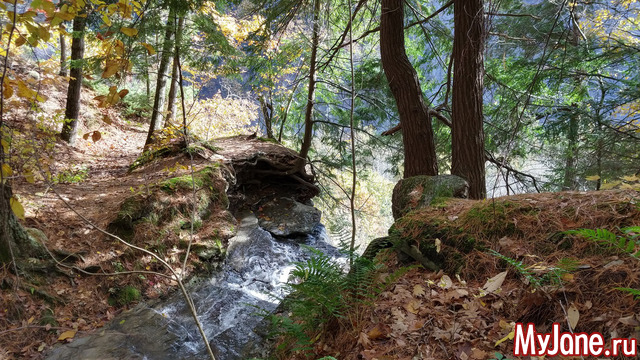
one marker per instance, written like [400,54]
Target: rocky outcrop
[286,217]
[421,191]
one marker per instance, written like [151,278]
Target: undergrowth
[325,298]
[628,243]
[549,276]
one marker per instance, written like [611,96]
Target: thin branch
[513,15]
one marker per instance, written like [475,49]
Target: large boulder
[421,191]
[286,217]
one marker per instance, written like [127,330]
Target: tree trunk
[569,181]
[70,127]
[14,240]
[308,115]
[267,113]
[63,56]
[161,81]
[571,153]
[417,133]
[467,135]
[173,89]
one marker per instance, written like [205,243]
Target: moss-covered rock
[420,191]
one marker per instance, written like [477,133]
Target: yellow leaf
[69,334]
[20,41]
[8,89]
[131,32]
[610,185]
[630,178]
[508,337]
[111,68]
[593,178]
[6,170]
[149,48]
[28,175]
[16,207]
[106,19]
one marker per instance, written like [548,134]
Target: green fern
[322,292]
[552,277]
[627,244]
[634,292]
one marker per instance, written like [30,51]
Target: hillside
[504,261]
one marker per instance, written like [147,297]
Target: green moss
[47,317]
[148,156]
[202,179]
[123,296]
[274,141]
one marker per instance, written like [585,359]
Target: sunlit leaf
[69,334]
[29,176]
[149,48]
[593,178]
[131,32]
[6,170]
[16,207]
[111,68]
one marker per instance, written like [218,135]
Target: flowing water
[252,279]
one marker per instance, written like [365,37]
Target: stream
[252,279]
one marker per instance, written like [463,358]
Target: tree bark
[70,127]
[14,240]
[63,56]
[173,89]
[569,180]
[308,115]
[467,134]
[267,114]
[417,132]
[161,81]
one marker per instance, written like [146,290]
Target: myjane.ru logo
[532,343]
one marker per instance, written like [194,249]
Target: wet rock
[140,333]
[285,217]
[421,191]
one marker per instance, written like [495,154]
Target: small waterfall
[252,279]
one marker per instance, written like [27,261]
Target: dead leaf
[479,354]
[418,290]
[573,315]
[69,334]
[630,320]
[363,340]
[445,282]
[438,245]
[493,284]
[376,333]
[413,306]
